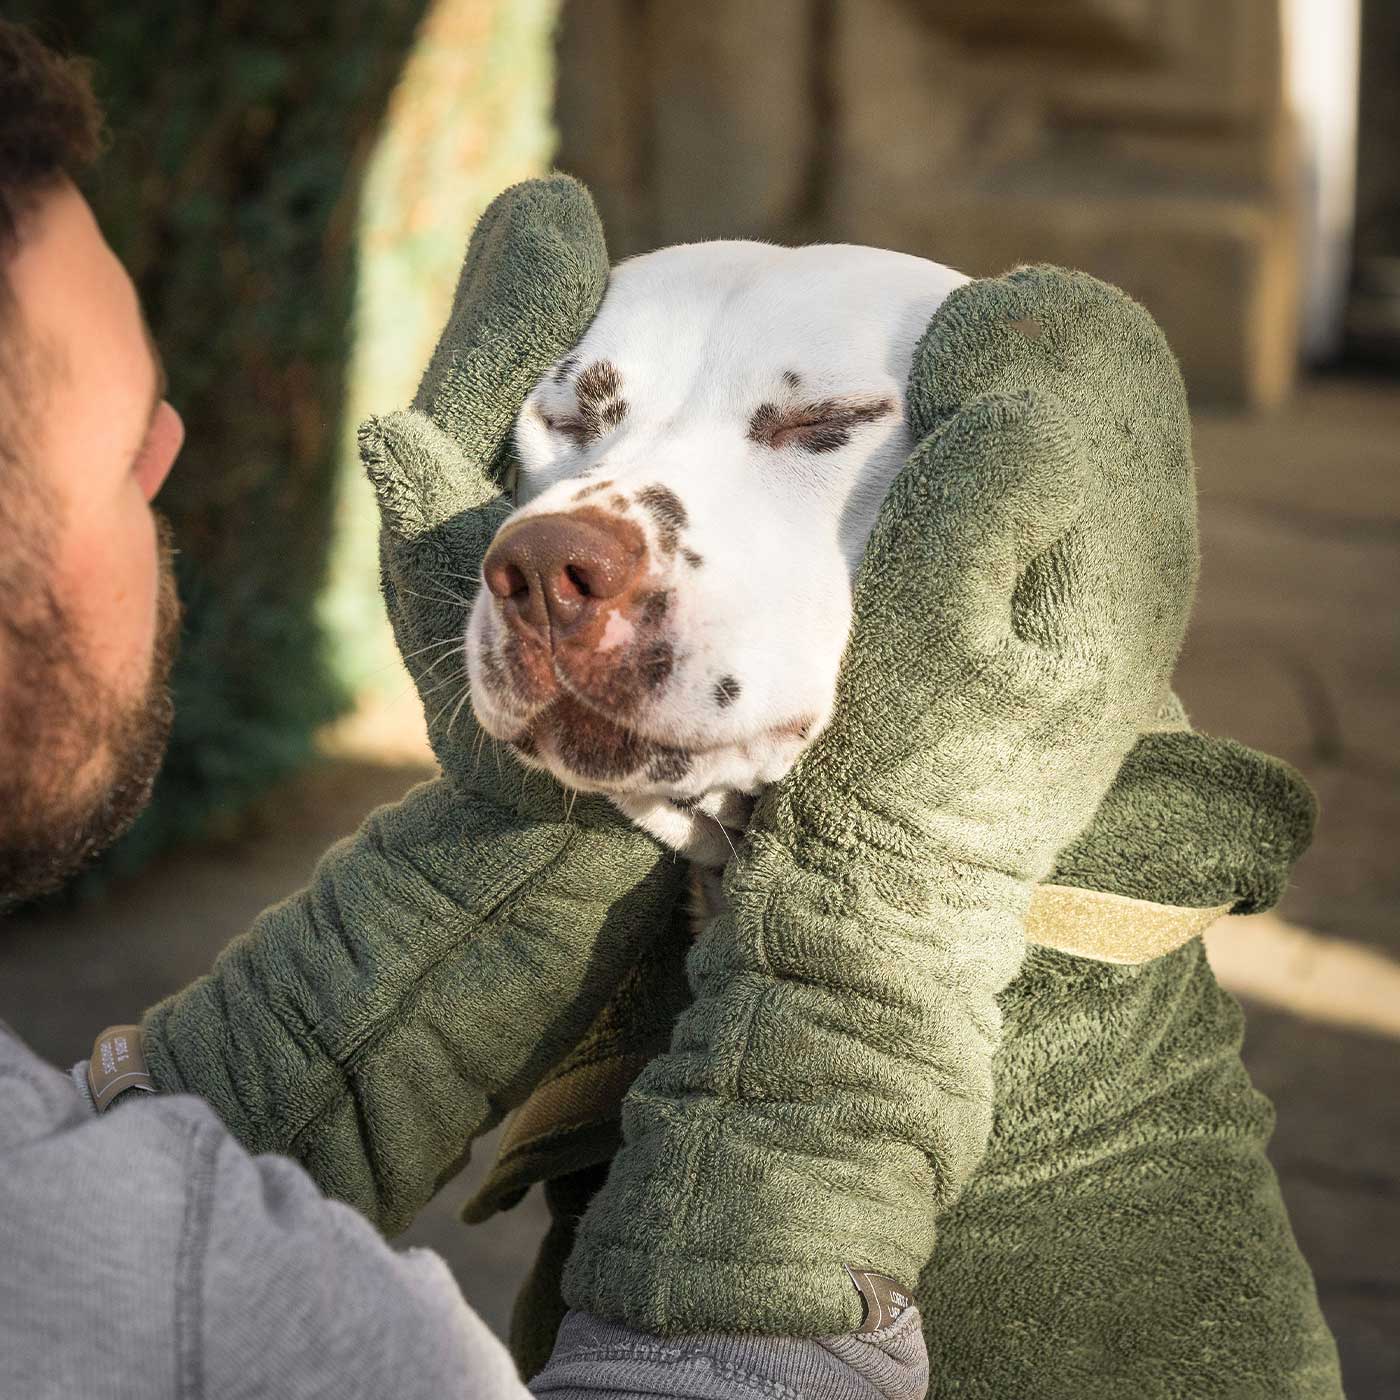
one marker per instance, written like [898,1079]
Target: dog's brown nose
[552,572]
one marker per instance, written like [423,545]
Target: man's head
[88,614]
[664,616]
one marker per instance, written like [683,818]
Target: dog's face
[664,614]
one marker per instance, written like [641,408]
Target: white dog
[665,613]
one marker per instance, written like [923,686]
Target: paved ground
[1295,648]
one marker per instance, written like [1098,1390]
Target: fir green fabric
[1124,1234]
[1017,616]
[444,957]
[1123,1122]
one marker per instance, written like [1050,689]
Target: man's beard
[55,715]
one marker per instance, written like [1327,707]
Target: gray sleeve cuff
[594,1359]
[79,1075]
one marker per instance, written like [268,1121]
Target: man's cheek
[111,593]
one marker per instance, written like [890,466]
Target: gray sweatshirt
[145,1254]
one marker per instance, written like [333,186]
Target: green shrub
[231,191]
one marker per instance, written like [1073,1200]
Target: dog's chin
[706,832]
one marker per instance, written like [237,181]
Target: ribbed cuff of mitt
[593,1358]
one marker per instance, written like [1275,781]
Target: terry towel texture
[1124,1234]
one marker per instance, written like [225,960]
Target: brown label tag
[885,1300]
[118,1063]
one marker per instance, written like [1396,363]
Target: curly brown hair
[50,123]
[50,128]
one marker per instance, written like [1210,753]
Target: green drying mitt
[1017,616]
[444,957]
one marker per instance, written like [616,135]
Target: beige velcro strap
[1112,927]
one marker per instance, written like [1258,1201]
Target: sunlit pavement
[1295,648]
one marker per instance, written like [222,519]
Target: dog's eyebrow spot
[600,409]
[791,379]
[726,691]
[692,558]
[822,426]
[565,368]
[598,383]
[665,508]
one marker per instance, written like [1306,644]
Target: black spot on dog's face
[763,423]
[669,766]
[601,407]
[726,691]
[600,404]
[654,607]
[822,426]
[564,369]
[593,747]
[598,383]
[791,379]
[656,665]
[692,558]
[665,508]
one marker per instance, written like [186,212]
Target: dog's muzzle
[574,595]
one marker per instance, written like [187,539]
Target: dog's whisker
[454,600]
[432,689]
[402,660]
[466,695]
[451,595]
[447,706]
[724,831]
[451,592]
[446,656]
[441,642]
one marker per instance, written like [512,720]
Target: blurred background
[292,187]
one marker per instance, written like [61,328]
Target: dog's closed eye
[823,426]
